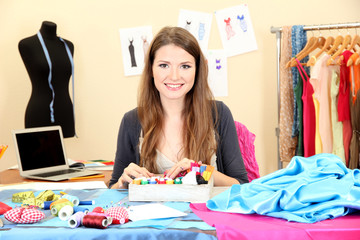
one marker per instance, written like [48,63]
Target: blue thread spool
[75,200]
[80,209]
[92,202]
[46,205]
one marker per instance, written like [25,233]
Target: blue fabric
[298,42]
[191,224]
[308,190]
[51,226]
[103,234]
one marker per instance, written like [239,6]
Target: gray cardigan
[228,156]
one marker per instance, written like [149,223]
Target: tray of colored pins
[193,185]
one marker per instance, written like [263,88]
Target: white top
[163,163]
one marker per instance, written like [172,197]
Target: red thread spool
[95,221]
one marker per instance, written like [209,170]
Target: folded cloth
[308,190]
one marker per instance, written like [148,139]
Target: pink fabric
[257,227]
[247,148]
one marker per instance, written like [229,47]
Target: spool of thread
[66,212]
[56,206]
[76,219]
[46,205]
[95,221]
[80,209]
[137,181]
[75,200]
[162,181]
[152,182]
[109,219]
[92,202]
[170,181]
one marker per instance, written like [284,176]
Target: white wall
[103,94]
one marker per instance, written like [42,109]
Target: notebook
[40,154]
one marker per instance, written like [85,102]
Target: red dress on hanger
[309,120]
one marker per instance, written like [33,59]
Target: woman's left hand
[180,166]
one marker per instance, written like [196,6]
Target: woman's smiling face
[174,72]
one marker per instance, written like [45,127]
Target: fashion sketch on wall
[218,81]
[236,31]
[134,45]
[198,23]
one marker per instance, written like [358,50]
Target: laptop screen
[40,149]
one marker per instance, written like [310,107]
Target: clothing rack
[277,31]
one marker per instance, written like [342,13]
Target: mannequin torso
[38,111]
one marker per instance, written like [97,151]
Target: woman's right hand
[130,173]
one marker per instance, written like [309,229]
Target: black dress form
[38,111]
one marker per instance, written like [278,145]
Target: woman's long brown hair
[199,126]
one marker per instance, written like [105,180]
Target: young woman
[177,120]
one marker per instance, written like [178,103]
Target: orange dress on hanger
[343,103]
[355,112]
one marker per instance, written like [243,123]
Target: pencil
[87,177]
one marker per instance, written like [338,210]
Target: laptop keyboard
[56,173]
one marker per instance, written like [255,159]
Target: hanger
[328,42]
[318,44]
[309,45]
[346,41]
[355,41]
[338,41]
[357,62]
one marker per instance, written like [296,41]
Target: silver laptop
[41,155]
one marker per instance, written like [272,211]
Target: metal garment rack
[277,31]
